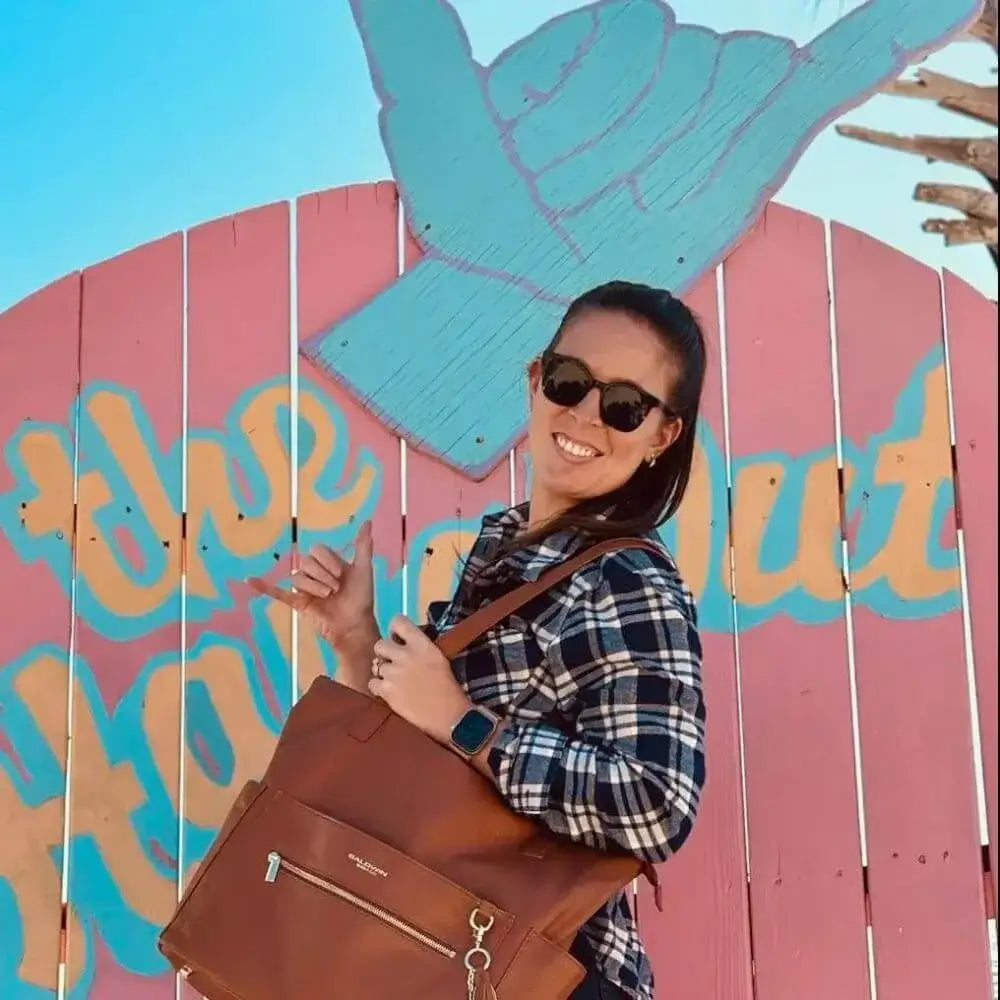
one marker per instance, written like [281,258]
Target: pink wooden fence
[162,441]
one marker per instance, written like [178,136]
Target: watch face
[472,731]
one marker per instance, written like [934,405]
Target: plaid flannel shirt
[600,681]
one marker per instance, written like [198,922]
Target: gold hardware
[477,958]
[345,895]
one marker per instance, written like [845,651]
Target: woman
[590,699]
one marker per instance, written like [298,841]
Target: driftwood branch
[979,206]
[979,154]
[967,99]
[974,202]
[985,27]
[958,232]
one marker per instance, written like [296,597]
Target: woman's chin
[573,481]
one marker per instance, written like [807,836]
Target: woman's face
[574,454]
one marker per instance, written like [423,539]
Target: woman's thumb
[363,545]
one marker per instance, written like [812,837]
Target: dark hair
[654,492]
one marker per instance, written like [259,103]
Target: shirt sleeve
[631,770]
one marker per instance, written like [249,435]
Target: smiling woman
[586,709]
[628,447]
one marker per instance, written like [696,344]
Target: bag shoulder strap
[469,629]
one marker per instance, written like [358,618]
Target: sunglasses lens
[565,382]
[623,408]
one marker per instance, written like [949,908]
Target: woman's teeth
[574,448]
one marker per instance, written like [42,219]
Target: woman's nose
[589,408]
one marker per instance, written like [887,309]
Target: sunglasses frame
[650,401]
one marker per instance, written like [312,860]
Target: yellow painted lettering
[30,834]
[51,470]
[221,668]
[104,795]
[919,466]
[210,492]
[318,513]
[111,583]
[816,565]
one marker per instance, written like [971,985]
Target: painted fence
[162,441]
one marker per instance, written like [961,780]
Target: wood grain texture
[444,507]
[700,944]
[347,252]
[972,344]
[123,852]
[36,510]
[238,659]
[574,165]
[925,875]
[927,904]
[801,792]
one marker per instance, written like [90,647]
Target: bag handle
[370,720]
[469,629]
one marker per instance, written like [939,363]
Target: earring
[651,460]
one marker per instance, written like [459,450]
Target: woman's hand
[337,597]
[414,679]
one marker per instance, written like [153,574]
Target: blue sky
[123,121]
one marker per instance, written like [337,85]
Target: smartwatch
[473,731]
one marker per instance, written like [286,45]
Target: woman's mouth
[574,450]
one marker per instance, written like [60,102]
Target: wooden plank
[238,657]
[349,464]
[706,916]
[925,873]
[972,346]
[444,510]
[444,515]
[123,792]
[522,472]
[800,770]
[39,368]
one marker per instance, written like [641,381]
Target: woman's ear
[670,431]
[534,376]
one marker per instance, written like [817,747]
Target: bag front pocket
[276,863]
[297,904]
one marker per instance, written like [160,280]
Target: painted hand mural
[565,163]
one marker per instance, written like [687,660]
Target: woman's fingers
[386,649]
[314,588]
[405,630]
[327,560]
[319,569]
[297,602]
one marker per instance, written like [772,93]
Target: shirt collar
[527,563]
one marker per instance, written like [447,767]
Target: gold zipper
[276,863]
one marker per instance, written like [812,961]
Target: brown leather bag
[371,863]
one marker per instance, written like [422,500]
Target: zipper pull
[483,988]
[273,864]
[478,959]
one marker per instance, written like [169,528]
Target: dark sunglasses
[624,406]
